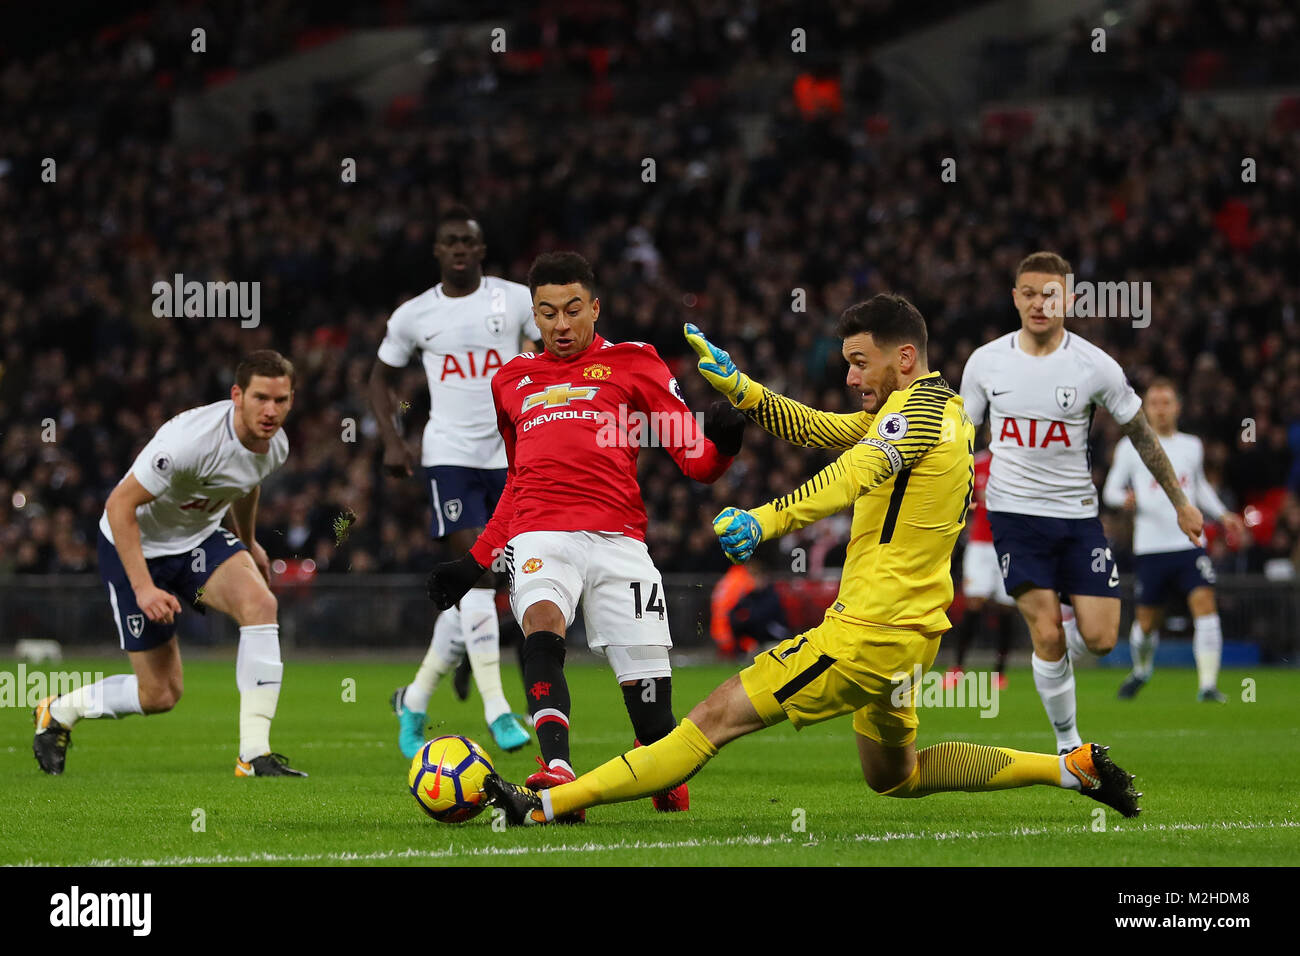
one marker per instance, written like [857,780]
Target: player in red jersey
[570,525]
[987,600]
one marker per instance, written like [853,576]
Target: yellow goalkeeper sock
[975,767]
[638,773]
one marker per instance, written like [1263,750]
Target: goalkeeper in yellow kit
[908,474]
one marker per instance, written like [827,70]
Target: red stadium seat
[1261,511]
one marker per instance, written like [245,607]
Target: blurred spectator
[759,231]
[745,608]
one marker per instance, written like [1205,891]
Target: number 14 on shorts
[653,606]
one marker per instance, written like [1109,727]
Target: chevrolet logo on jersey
[556,395]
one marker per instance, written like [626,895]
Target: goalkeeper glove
[739,532]
[721,372]
[725,427]
[449,581]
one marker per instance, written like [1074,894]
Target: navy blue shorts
[462,497]
[182,574]
[1167,574]
[1067,555]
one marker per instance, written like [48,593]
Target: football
[446,778]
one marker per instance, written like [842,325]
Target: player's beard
[888,386]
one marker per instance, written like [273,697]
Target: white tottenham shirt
[1040,412]
[195,467]
[1155,526]
[462,342]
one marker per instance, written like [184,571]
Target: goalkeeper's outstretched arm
[780,416]
[859,471]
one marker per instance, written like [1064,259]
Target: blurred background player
[161,538]
[465,328]
[988,606]
[571,522]
[909,484]
[1039,387]
[1165,560]
[745,610]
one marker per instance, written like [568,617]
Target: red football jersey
[979,516]
[573,428]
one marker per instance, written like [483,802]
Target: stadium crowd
[761,247]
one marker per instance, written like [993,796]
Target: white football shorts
[624,605]
[981,576]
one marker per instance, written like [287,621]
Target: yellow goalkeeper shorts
[841,668]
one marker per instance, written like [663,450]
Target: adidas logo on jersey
[526,380]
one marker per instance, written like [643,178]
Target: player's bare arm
[243,515]
[399,460]
[1147,445]
[158,605]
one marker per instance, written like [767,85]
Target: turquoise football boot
[411,736]
[508,731]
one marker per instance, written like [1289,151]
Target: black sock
[1006,629]
[964,630]
[547,693]
[649,704]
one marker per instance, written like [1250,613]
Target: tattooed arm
[1147,445]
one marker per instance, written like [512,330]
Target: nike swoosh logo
[1003,392]
[1063,725]
[261,682]
[437,778]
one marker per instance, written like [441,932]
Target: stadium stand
[832,201]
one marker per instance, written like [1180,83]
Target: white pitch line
[452,852]
[448,853]
[1054,831]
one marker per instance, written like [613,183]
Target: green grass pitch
[1220,783]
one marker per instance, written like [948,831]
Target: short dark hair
[267,362]
[561,268]
[456,213]
[888,318]
[1045,262]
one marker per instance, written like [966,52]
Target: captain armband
[892,453]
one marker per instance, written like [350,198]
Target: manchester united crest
[597,372]
[532,564]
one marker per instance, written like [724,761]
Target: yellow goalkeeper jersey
[909,474]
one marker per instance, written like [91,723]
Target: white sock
[115,696]
[1068,780]
[1207,648]
[444,653]
[258,672]
[1142,648]
[1055,683]
[481,632]
[1074,643]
